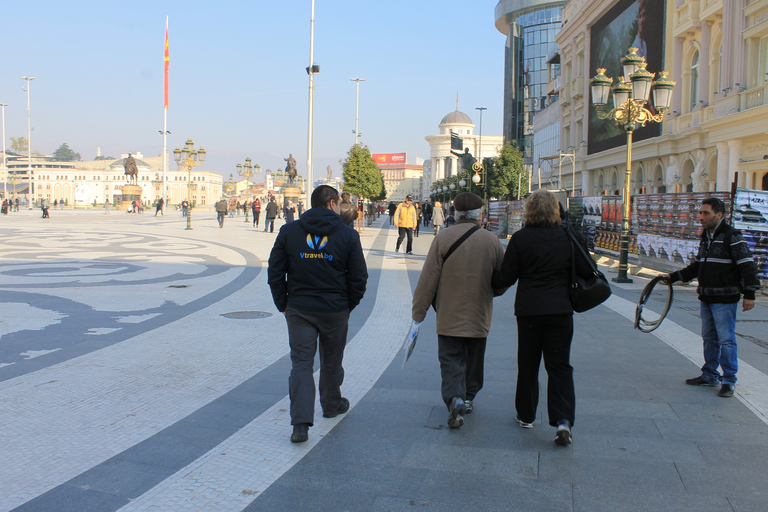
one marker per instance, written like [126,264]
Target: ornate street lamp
[248,171]
[629,99]
[189,157]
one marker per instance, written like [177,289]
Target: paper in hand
[410,341]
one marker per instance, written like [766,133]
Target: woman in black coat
[538,258]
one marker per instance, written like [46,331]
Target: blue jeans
[269,225]
[718,330]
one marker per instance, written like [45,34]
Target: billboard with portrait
[630,23]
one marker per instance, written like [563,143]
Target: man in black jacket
[725,270]
[271,214]
[317,275]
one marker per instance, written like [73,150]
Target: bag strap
[460,241]
[576,246]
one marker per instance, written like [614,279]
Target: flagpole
[311,71]
[165,115]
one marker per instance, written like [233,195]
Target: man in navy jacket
[317,275]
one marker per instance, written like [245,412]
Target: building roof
[457,117]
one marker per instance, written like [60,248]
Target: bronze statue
[290,169]
[131,169]
[465,158]
[330,173]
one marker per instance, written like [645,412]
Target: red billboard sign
[389,158]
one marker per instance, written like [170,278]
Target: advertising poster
[750,209]
[497,218]
[758,244]
[515,215]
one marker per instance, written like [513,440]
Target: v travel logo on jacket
[316,243]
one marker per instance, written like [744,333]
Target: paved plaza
[143,367]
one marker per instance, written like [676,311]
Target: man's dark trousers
[402,233]
[220,218]
[305,328]
[269,225]
[461,366]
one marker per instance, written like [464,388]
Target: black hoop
[642,324]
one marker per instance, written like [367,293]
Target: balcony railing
[686,17]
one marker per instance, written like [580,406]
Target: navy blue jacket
[317,264]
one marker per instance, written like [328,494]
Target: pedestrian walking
[463,303]
[419,213]
[392,209]
[289,212]
[317,275]
[405,221]
[256,206]
[270,215]
[184,208]
[538,259]
[221,211]
[45,206]
[438,217]
[725,271]
[159,207]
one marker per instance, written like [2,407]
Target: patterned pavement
[144,367]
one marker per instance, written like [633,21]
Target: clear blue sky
[237,79]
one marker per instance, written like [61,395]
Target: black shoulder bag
[589,287]
[453,248]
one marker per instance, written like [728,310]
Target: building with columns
[443,163]
[717,52]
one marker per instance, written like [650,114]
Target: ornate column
[723,182]
[734,155]
[677,100]
[727,51]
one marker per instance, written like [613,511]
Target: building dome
[456,117]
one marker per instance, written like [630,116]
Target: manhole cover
[179,286]
[247,315]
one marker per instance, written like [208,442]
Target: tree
[361,175]
[19,144]
[102,157]
[65,154]
[507,173]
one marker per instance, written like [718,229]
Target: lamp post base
[620,279]
[189,219]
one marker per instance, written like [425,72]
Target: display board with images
[497,218]
[750,216]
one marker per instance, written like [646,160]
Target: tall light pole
[29,140]
[5,166]
[629,99]
[311,70]
[189,157]
[357,107]
[480,157]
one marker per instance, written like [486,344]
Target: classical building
[82,183]
[443,163]
[530,27]
[716,51]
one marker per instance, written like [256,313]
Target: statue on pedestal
[131,170]
[290,169]
[466,159]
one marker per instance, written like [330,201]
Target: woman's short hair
[542,209]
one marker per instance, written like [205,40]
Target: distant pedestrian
[538,259]
[725,270]
[256,207]
[45,207]
[419,213]
[317,275]
[438,216]
[289,212]
[5,207]
[270,214]
[159,207]
[61,204]
[300,207]
[463,303]
[392,209]
[221,211]
[184,208]
[405,221]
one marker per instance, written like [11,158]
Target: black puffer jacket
[724,273]
[317,264]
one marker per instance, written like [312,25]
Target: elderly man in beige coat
[456,278]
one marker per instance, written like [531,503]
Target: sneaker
[300,433]
[726,391]
[563,436]
[457,409]
[409,252]
[397,249]
[700,381]
[523,424]
[343,407]
[470,405]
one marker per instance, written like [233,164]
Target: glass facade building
[530,27]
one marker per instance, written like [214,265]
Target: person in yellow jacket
[405,221]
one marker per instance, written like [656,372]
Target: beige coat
[464,297]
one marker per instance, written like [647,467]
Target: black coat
[540,259]
[317,264]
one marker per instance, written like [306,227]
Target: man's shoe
[343,407]
[563,435]
[409,252]
[523,424]
[700,381]
[300,433]
[726,391]
[457,410]
[397,248]
[469,406]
